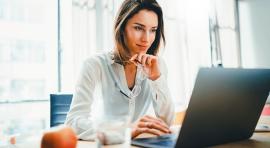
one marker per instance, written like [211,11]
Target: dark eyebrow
[143,25]
[139,24]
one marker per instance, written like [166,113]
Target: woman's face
[140,31]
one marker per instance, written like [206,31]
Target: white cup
[112,131]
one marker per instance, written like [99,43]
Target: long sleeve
[79,114]
[162,102]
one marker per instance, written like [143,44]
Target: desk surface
[258,140]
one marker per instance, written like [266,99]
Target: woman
[132,76]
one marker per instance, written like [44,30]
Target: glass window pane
[28,64]
[28,49]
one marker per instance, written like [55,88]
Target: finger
[139,131]
[139,58]
[144,58]
[150,131]
[157,121]
[152,125]
[149,119]
[149,60]
[154,118]
[133,57]
[154,59]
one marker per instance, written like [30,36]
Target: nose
[146,36]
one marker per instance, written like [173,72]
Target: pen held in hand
[135,61]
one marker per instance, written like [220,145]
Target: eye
[138,28]
[154,30]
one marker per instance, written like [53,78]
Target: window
[31,68]
[28,48]
[28,62]
[3,5]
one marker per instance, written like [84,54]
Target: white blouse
[117,97]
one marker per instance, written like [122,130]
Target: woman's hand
[149,64]
[151,125]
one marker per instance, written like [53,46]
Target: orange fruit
[61,138]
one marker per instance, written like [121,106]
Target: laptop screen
[225,106]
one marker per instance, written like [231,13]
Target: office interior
[43,44]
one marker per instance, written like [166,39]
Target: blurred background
[43,44]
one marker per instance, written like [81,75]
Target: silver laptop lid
[225,106]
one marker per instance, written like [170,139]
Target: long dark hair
[127,10]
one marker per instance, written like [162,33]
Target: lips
[142,46]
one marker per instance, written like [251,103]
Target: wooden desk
[258,140]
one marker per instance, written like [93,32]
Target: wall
[255,32]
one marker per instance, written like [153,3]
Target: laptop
[224,107]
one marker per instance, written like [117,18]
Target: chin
[143,50]
[139,49]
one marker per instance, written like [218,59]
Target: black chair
[59,104]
